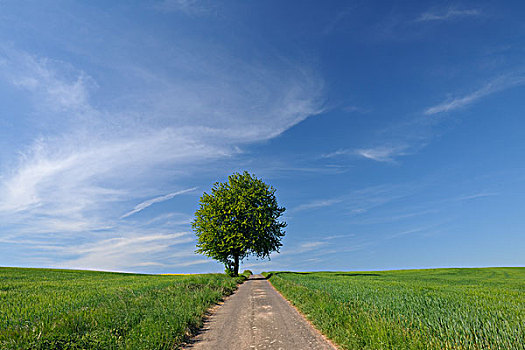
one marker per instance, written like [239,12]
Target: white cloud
[460,101]
[289,255]
[87,161]
[393,217]
[448,14]
[339,152]
[189,7]
[194,262]
[316,204]
[386,153]
[121,253]
[478,195]
[308,246]
[150,263]
[303,247]
[382,153]
[49,81]
[492,87]
[364,200]
[407,138]
[338,236]
[408,232]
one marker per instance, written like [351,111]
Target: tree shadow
[357,274]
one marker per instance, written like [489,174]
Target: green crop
[60,309]
[413,309]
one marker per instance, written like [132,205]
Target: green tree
[240,217]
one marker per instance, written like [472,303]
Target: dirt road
[257,317]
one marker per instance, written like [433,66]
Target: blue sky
[394,133]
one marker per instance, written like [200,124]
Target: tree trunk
[236,265]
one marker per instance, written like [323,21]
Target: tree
[239,218]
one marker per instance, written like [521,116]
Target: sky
[393,132]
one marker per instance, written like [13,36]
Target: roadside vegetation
[65,309]
[413,309]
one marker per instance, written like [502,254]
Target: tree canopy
[240,217]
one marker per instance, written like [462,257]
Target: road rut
[257,317]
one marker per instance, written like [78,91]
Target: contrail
[144,205]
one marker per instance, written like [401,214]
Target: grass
[64,309]
[413,309]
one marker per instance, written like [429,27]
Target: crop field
[61,309]
[413,309]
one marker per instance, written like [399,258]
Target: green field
[413,309]
[61,309]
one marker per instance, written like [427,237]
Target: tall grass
[413,309]
[60,309]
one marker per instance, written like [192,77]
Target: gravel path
[257,317]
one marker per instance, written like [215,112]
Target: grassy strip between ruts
[64,309]
[413,309]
